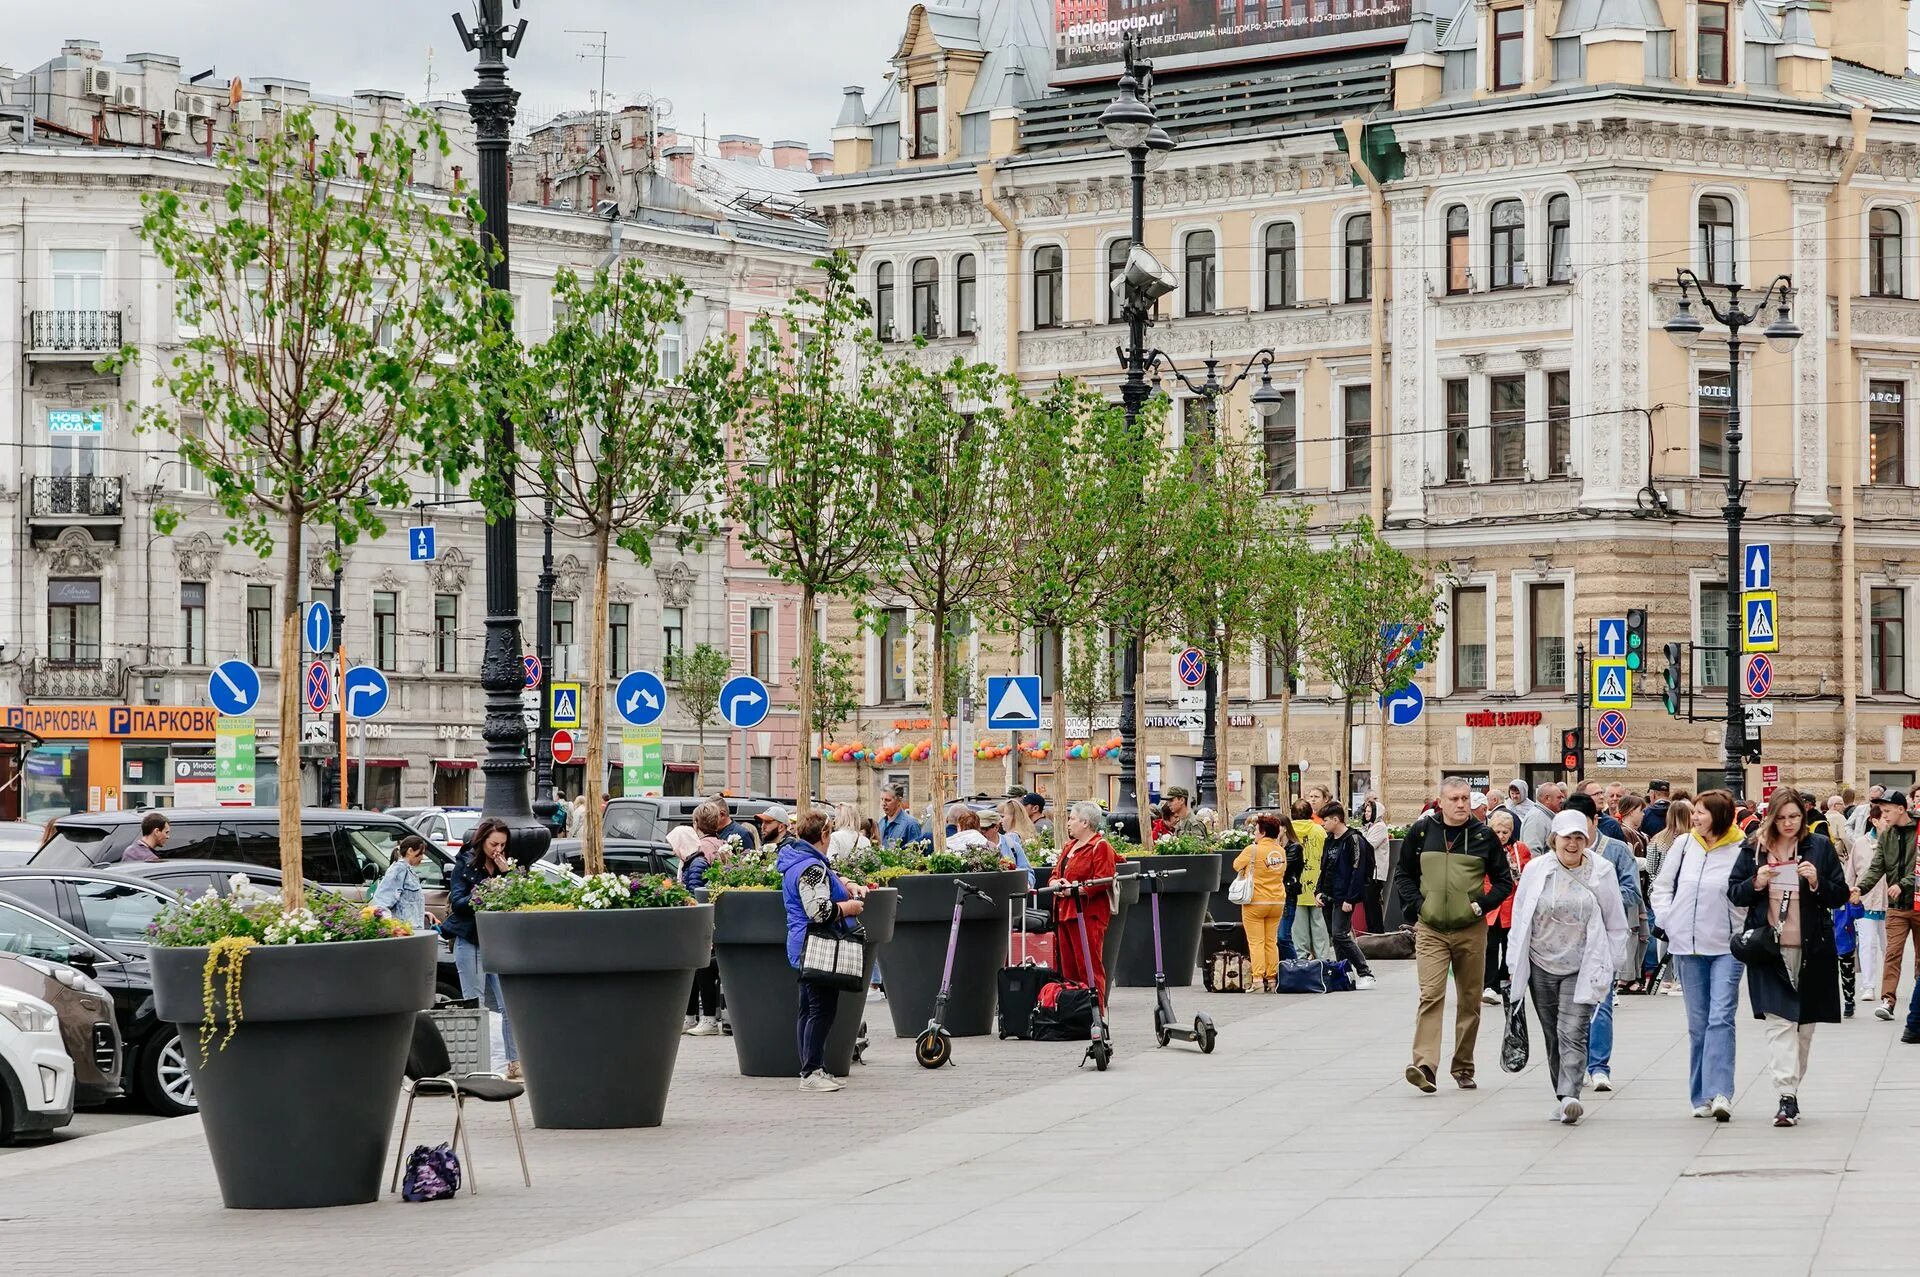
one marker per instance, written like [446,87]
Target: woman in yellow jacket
[1310,934]
[1267,857]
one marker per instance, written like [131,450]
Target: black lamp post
[502,676]
[1131,126]
[1685,329]
[543,648]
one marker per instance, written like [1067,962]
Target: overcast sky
[772,68]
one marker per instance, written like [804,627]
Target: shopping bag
[1513,1044]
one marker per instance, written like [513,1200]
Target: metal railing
[74,680]
[91,496]
[73,332]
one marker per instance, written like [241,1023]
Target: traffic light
[1570,750]
[1636,638]
[1671,694]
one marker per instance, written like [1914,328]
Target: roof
[1853,83]
[1610,15]
[1015,37]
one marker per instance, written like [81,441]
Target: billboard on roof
[1183,34]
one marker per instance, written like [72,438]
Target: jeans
[1262,920]
[1600,1037]
[1563,1029]
[704,999]
[478,983]
[817,1006]
[1711,986]
[1340,925]
[1287,952]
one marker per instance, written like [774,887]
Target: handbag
[433,1174]
[1301,975]
[1513,1044]
[1240,891]
[835,957]
[1761,943]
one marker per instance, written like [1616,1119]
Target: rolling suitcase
[1019,993]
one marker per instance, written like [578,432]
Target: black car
[649,819]
[624,855]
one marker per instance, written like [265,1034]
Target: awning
[333,760]
[19,736]
[688,768]
[455,764]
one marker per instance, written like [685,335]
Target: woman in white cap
[1569,935]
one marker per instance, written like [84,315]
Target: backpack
[1063,1014]
[433,1174]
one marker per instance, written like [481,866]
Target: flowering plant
[1233,840]
[877,864]
[743,871]
[521,891]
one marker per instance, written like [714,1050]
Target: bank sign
[1185,34]
[140,722]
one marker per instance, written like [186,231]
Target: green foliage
[199,921]
[701,672]
[1180,845]
[835,699]
[522,891]
[741,870]
[884,864]
[1365,585]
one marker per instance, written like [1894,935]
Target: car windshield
[631,820]
[71,847]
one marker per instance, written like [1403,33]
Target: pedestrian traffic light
[1570,750]
[1636,637]
[1671,694]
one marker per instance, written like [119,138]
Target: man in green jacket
[1893,864]
[1452,873]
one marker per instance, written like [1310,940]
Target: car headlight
[66,975]
[27,1014]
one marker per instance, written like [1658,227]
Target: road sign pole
[744,782]
[1581,697]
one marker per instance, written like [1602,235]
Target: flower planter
[597,997]
[1219,907]
[913,961]
[1129,897]
[762,990]
[1183,907]
[298,1107]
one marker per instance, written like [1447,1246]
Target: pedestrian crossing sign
[566,705]
[1761,609]
[1612,686]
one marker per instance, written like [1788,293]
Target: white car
[36,1075]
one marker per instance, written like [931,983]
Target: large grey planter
[911,967]
[1183,908]
[298,1107]
[762,988]
[1219,908]
[597,998]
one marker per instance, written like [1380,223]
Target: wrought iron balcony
[100,679]
[73,334]
[74,498]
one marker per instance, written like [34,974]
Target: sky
[770,68]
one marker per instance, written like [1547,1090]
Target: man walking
[1343,884]
[154,832]
[1893,864]
[1444,860]
[1620,856]
[899,826]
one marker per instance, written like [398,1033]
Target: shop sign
[1505,718]
[1910,722]
[146,722]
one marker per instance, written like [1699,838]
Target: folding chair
[430,1072]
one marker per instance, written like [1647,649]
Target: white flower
[239,884]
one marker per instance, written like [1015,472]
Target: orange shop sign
[128,722]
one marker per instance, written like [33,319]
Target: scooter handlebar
[1160,873]
[1072,887]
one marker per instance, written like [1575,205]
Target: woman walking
[815,896]
[1569,934]
[1690,897]
[1789,878]
[1309,924]
[697,847]
[1500,921]
[1266,858]
[1087,856]
[399,892]
[483,856]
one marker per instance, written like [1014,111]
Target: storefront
[109,757]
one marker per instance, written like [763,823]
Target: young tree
[321,296]
[701,673]
[621,443]
[809,470]
[1287,578]
[1086,685]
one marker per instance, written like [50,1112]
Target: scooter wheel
[932,1049]
[1203,1034]
[1101,1053]
[1160,1035]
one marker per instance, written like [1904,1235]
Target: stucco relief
[1308,330]
[1514,313]
[1472,501]
[1633,335]
[1411,449]
[1810,353]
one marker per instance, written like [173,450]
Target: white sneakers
[705,1027]
[1570,1111]
[1721,1108]
[1490,997]
[820,1080]
[1600,1080]
[1703,1111]
[1364,982]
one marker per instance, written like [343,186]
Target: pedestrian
[1631,812]
[1373,827]
[1266,859]
[1342,887]
[899,828]
[1309,923]
[1452,871]
[577,816]
[1870,914]
[481,857]
[1531,820]
[1893,865]
[697,846]
[1789,878]
[154,832]
[1036,805]
[1087,856]
[773,822]
[1317,796]
[399,892]
[847,837]
[1004,844]
[815,896]
[1182,820]
[1016,826]
[1659,801]
[1552,796]
[1500,921]
[1691,899]
[1627,875]
[1679,821]
[1569,934]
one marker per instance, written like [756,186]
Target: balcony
[77,335]
[67,501]
[97,680]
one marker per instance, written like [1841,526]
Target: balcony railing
[92,496]
[74,680]
[73,333]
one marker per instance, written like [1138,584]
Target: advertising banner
[1183,34]
[233,761]
[642,761]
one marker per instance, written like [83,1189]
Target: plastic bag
[433,1174]
[1513,1044]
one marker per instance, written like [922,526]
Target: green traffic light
[1633,639]
[1633,660]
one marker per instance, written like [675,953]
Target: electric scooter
[934,1046]
[1100,1047]
[1164,1028]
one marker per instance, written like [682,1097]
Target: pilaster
[1610,327]
[1408,352]
[1810,203]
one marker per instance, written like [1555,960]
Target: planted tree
[701,673]
[1287,599]
[1086,685]
[321,296]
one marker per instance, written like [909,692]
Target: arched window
[1713,239]
[1049,271]
[1357,240]
[883,300]
[1459,267]
[965,293]
[1507,245]
[1203,280]
[926,297]
[1116,267]
[1559,239]
[1281,258]
[1886,245]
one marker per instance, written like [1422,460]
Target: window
[1202,291]
[760,643]
[1356,404]
[446,633]
[1048,272]
[75,437]
[1714,239]
[1710,46]
[1278,674]
[193,622]
[965,292]
[73,621]
[894,654]
[1508,422]
[386,630]
[1459,264]
[1509,47]
[260,626]
[672,348]
[192,479]
[118,911]
[926,297]
[1884,254]
[1507,245]
[673,635]
[1469,630]
[1559,239]
[24,934]
[1547,624]
[926,127]
[883,300]
[1280,438]
[1196,418]
[1886,432]
[562,623]
[1357,236]
[1459,432]
[619,634]
[1714,396]
[1281,258]
[1043,661]
[79,278]
[1117,647]
[1116,267]
[1712,643]
[1887,641]
[1559,424]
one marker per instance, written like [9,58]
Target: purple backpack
[432,1174]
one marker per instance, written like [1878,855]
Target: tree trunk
[1286,742]
[593,713]
[700,756]
[1346,748]
[1223,814]
[292,868]
[1057,641]
[808,641]
[937,818]
[1141,801]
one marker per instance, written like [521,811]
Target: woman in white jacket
[1569,936]
[1690,900]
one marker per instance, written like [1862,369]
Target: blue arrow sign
[421,547]
[365,690]
[318,627]
[1404,706]
[1759,567]
[234,688]
[1613,638]
[744,701]
[641,698]
[1013,703]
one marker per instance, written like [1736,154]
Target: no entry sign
[563,747]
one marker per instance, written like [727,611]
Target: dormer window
[926,121]
[1710,44]
[1509,47]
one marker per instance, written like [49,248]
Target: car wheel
[164,1083]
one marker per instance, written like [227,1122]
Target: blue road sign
[1403,707]
[1612,688]
[365,691]
[744,701]
[319,687]
[1762,614]
[1401,643]
[641,698]
[317,625]
[1013,703]
[1612,727]
[1612,643]
[234,688]
[1759,570]
[535,671]
[1193,667]
[421,547]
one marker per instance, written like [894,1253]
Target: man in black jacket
[1343,884]
[1445,859]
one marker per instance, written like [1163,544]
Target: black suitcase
[1019,993]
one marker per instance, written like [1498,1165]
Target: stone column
[1611,322]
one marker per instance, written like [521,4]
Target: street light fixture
[1685,329]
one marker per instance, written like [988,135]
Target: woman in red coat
[1087,856]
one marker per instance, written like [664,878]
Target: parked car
[445,826]
[89,1032]
[649,819]
[112,907]
[624,855]
[36,1074]
[19,839]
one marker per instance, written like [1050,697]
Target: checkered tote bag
[835,957]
